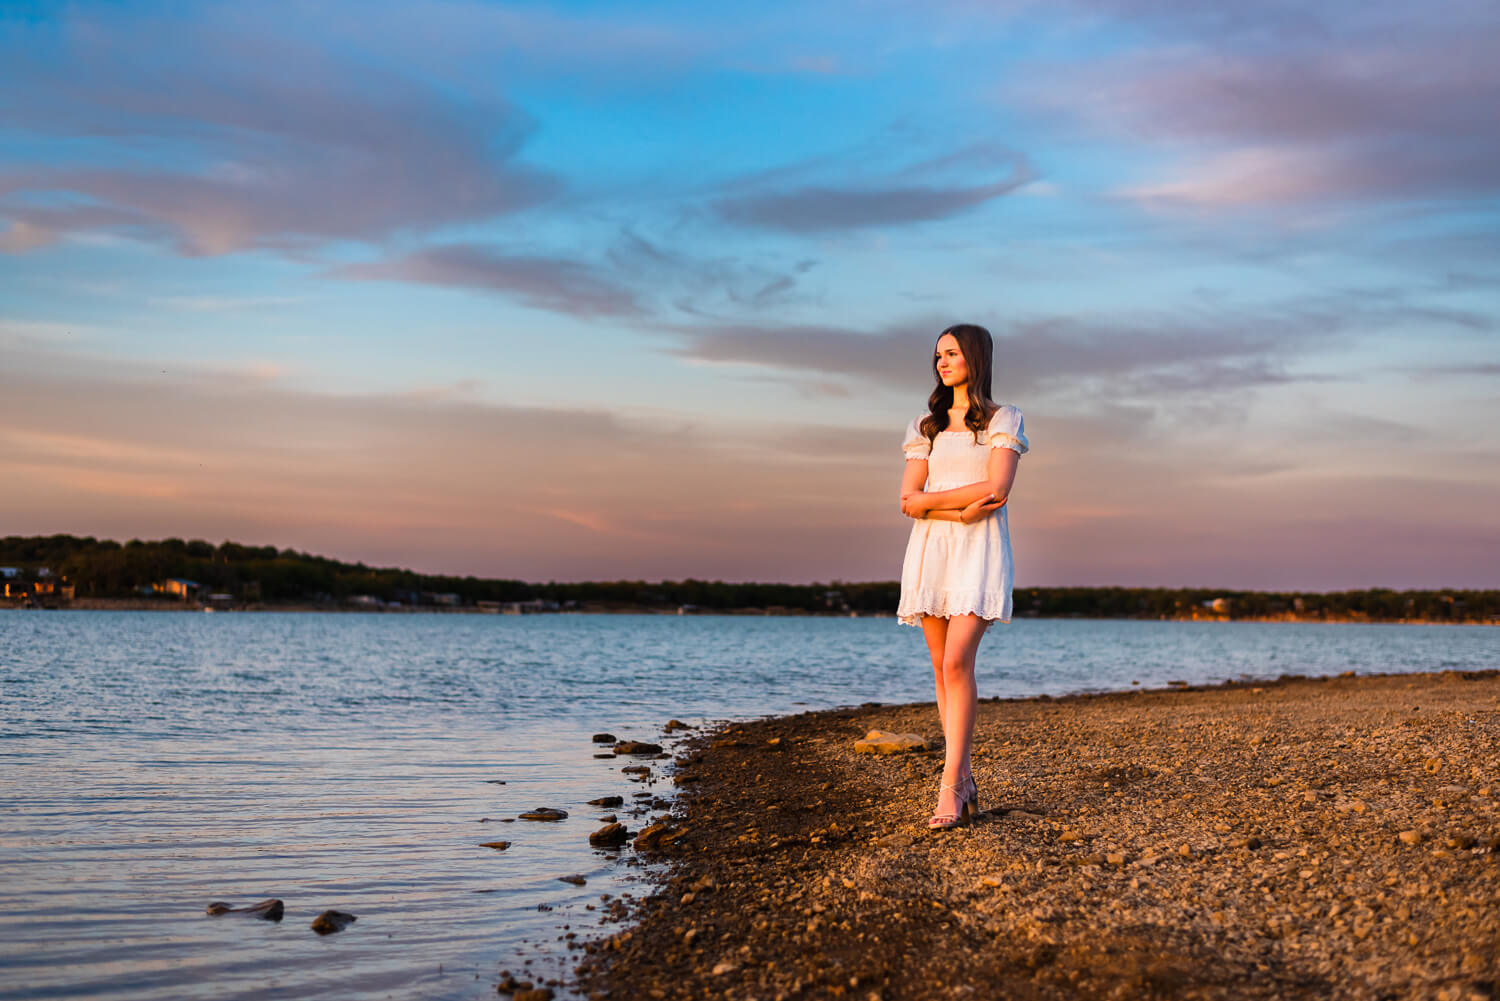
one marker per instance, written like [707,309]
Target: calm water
[151,763]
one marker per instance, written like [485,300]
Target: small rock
[636,769]
[1410,837]
[604,738]
[636,747]
[881,742]
[608,818]
[534,994]
[723,967]
[608,801]
[331,921]
[1069,837]
[499,846]
[1250,843]
[1462,842]
[266,910]
[545,813]
[655,836]
[606,754]
[675,724]
[1115,858]
[610,835]
[575,879]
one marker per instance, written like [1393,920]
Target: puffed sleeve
[916,444]
[1008,430]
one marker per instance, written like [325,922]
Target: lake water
[151,763]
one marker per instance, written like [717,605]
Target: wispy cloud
[1362,103]
[561,286]
[896,199]
[327,147]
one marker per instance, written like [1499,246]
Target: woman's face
[952,368]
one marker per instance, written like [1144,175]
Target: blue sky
[589,290]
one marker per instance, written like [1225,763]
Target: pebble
[636,747]
[607,801]
[499,846]
[575,879]
[1410,837]
[604,738]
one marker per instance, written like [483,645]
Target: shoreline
[137,605]
[1308,838]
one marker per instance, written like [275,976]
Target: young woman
[961,459]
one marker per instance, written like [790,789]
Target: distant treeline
[266,575]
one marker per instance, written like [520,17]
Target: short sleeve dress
[951,568]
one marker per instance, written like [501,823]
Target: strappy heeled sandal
[972,803]
[948,821]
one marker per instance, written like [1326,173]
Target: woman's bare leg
[959,649]
[935,631]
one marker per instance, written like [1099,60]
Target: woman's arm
[976,511]
[914,478]
[1001,475]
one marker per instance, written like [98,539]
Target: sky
[575,291]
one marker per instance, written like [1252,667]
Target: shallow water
[151,763]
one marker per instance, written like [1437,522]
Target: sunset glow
[570,291]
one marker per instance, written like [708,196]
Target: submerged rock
[881,742]
[675,724]
[604,738]
[607,801]
[331,921]
[545,813]
[636,747]
[499,846]
[266,910]
[575,879]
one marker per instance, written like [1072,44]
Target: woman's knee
[957,669]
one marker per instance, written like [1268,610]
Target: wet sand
[1325,838]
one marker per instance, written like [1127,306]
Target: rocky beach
[1303,838]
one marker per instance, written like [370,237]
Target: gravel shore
[1307,838]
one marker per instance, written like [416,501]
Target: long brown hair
[979,352]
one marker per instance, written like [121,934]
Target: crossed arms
[968,503]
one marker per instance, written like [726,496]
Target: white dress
[952,568]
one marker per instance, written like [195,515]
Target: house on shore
[178,587]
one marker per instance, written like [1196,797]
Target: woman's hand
[981,509]
[915,504]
